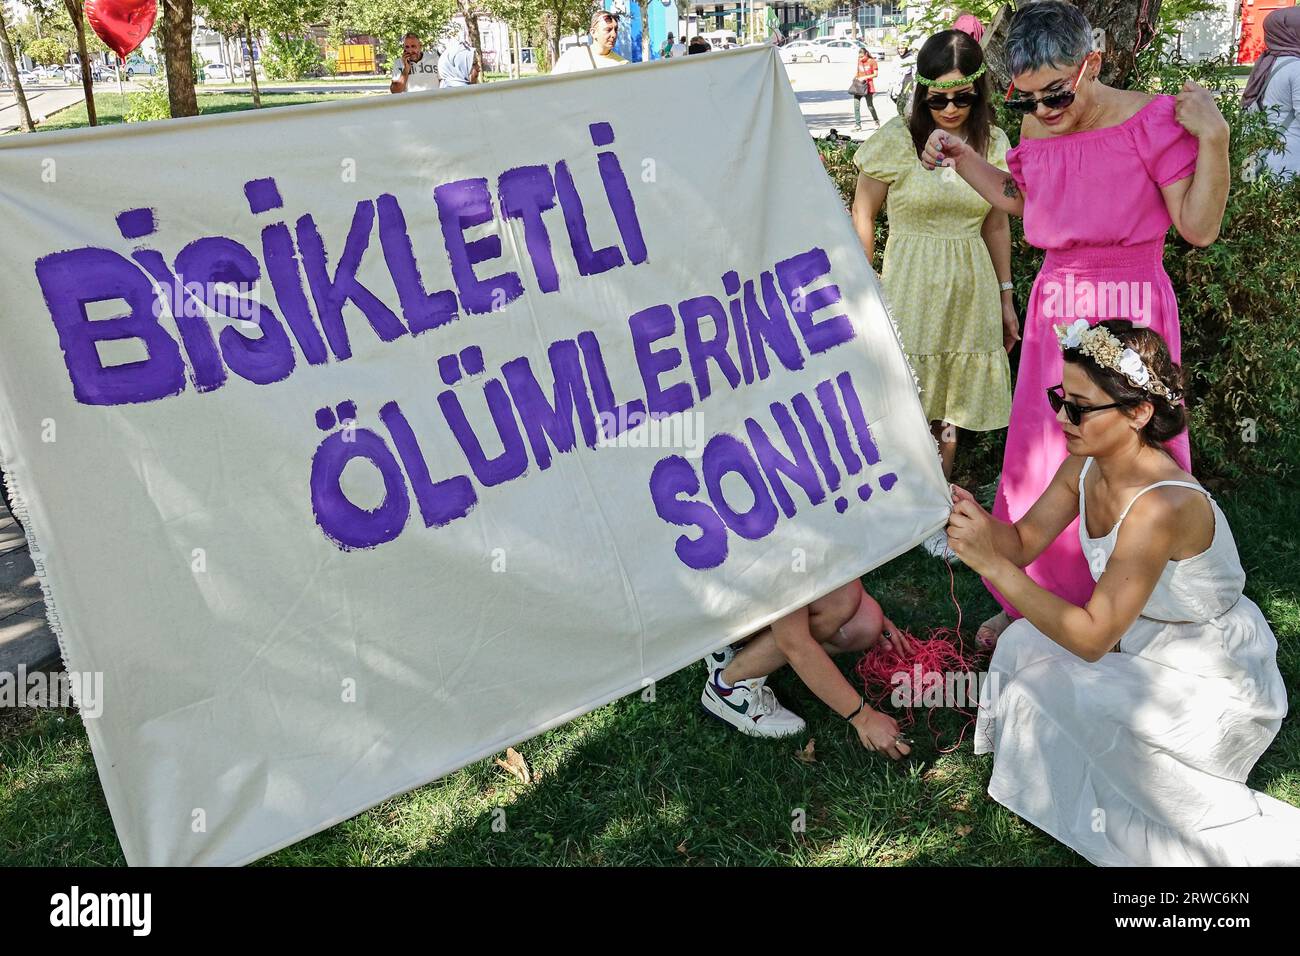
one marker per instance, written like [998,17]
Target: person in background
[947,269]
[698,45]
[458,66]
[415,72]
[599,54]
[864,85]
[666,50]
[1099,176]
[901,91]
[970,25]
[1274,86]
[679,48]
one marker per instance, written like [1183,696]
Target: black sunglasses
[1053,101]
[1073,410]
[937,101]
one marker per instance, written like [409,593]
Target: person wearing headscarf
[1274,86]
[457,66]
[970,24]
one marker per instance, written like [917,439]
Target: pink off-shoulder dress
[1093,201]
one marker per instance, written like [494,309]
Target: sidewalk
[25,637]
[42,101]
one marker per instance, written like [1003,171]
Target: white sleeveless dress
[1141,758]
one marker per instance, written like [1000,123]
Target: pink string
[943,652]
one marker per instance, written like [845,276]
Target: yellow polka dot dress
[940,282]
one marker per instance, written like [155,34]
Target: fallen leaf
[681,848]
[964,830]
[808,754]
[516,766]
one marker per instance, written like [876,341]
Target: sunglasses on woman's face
[938,102]
[1073,410]
[1053,101]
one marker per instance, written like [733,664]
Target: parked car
[28,78]
[71,73]
[837,51]
[220,73]
[138,65]
[799,51]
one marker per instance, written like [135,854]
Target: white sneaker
[719,659]
[937,547]
[752,708]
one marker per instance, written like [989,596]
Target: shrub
[152,104]
[1239,302]
[291,58]
[1238,299]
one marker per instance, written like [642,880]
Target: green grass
[640,782]
[110,107]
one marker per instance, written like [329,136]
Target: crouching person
[845,620]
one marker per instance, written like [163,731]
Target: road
[822,92]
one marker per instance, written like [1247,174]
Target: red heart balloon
[122,24]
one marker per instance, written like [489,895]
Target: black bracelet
[859,710]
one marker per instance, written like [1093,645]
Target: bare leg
[847,619]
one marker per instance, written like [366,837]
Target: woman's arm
[997,236]
[1196,203]
[868,198]
[1146,543]
[1022,542]
[998,188]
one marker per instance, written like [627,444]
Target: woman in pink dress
[1099,176]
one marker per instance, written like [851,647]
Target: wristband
[1007,286]
[862,703]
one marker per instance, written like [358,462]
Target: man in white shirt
[678,49]
[604,31]
[414,72]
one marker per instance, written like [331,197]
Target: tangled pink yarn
[943,652]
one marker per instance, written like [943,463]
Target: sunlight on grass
[657,783]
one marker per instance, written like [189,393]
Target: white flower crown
[1109,352]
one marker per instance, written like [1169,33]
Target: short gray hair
[1047,33]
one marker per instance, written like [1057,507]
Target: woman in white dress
[1138,757]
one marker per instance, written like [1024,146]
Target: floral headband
[951,84]
[1109,352]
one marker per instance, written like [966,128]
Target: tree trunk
[252,63]
[87,82]
[11,68]
[177,28]
[467,10]
[1122,28]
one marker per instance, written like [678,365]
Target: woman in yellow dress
[948,249]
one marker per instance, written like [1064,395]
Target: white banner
[361,440]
